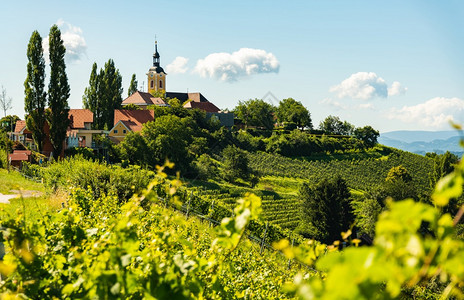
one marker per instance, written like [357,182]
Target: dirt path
[17,194]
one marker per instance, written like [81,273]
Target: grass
[33,208]
[15,181]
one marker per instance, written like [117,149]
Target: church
[126,121]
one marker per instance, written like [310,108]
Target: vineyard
[361,174]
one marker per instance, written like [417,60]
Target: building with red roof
[126,121]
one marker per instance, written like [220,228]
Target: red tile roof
[18,156]
[20,125]
[133,119]
[78,118]
[141,98]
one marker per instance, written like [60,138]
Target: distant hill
[421,142]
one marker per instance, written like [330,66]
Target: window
[161,84]
[123,131]
[115,131]
[151,83]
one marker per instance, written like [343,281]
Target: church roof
[78,118]
[133,119]
[141,98]
[205,106]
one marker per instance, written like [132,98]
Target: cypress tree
[58,92]
[132,86]
[34,90]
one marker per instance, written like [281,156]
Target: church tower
[156,75]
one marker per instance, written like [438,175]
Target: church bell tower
[156,75]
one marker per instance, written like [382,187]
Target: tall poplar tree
[58,92]
[34,90]
[90,98]
[112,100]
[132,86]
[103,95]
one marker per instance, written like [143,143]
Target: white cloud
[366,86]
[73,40]
[361,85]
[178,65]
[396,89]
[366,106]
[434,113]
[232,66]
[334,104]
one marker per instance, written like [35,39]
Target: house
[80,132]
[126,121]
[23,135]
[18,156]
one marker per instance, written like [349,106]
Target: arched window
[151,83]
[161,84]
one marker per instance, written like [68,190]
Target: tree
[132,86]
[326,207]
[58,92]
[333,125]
[367,134]
[398,184]
[290,110]
[103,95]
[168,137]
[90,98]
[8,123]
[398,173]
[34,90]
[235,164]
[135,150]
[112,82]
[256,113]
[5,102]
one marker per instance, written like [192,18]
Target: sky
[393,65]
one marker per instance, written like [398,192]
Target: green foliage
[90,97]
[398,173]
[168,137]
[235,164]
[103,95]
[333,125]
[85,152]
[8,123]
[58,92]
[132,86]
[34,90]
[131,106]
[255,113]
[326,208]
[292,111]
[367,134]
[362,172]
[95,249]
[206,167]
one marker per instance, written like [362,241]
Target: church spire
[156,56]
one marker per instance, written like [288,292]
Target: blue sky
[395,65]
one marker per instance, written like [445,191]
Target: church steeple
[156,56]
[156,74]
